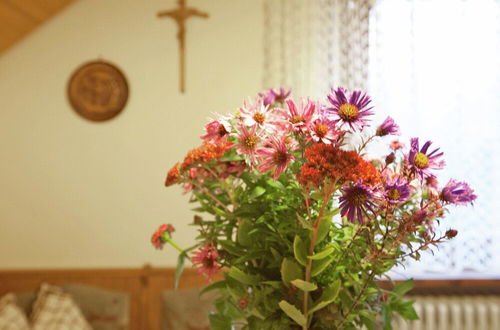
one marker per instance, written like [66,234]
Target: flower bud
[390,158]
[384,297]
[242,303]
[450,233]
[197,220]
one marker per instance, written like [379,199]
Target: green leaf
[300,250]
[274,284]
[328,296]
[324,229]
[387,317]
[228,157]
[407,311]
[293,313]
[323,254]
[320,265]
[242,277]
[275,184]
[305,223]
[244,233]
[290,270]
[304,286]
[230,247]
[403,287]
[180,267]
[219,322]
[214,286]
[257,191]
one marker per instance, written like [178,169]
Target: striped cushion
[11,316]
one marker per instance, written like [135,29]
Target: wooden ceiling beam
[19,17]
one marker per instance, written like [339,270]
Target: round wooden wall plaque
[98,91]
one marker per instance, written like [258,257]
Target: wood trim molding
[145,286]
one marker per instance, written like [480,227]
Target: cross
[180,15]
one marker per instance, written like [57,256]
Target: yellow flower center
[321,130]
[421,161]
[348,112]
[259,118]
[297,119]
[250,141]
[393,194]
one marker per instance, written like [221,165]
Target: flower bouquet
[298,220]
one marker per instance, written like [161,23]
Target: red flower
[206,260]
[156,239]
[329,162]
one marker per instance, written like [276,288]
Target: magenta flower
[397,190]
[388,127]
[458,193]
[323,130]
[205,259]
[355,202]
[275,154]
[299,118]
[422,161]
[349,110]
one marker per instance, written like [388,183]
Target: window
[432,65]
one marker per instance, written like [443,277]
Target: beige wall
[81,194]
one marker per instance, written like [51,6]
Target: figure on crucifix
[180,15]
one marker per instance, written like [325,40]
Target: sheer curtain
[432,65]
[314,45]
[435,67]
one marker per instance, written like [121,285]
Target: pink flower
[396,145]
[157,239]
[275,154]
[205,259]
[323,130]
[248,141]
[216,130]
[299,118]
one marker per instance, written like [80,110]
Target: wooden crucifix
[180,15]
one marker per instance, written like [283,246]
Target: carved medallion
[98,91]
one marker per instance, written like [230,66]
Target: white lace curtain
[315,45]
[432,65]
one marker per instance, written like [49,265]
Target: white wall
[81,194]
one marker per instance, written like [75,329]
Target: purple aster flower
[458,193]
[355,202]
[281,95]
[388,127]
[349,109]
[271,95]
[422,161]
[397,190]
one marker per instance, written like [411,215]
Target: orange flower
[173,175]
[329,162]
[205,153]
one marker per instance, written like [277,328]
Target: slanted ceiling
[20,17]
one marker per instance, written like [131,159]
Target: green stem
[314,235]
